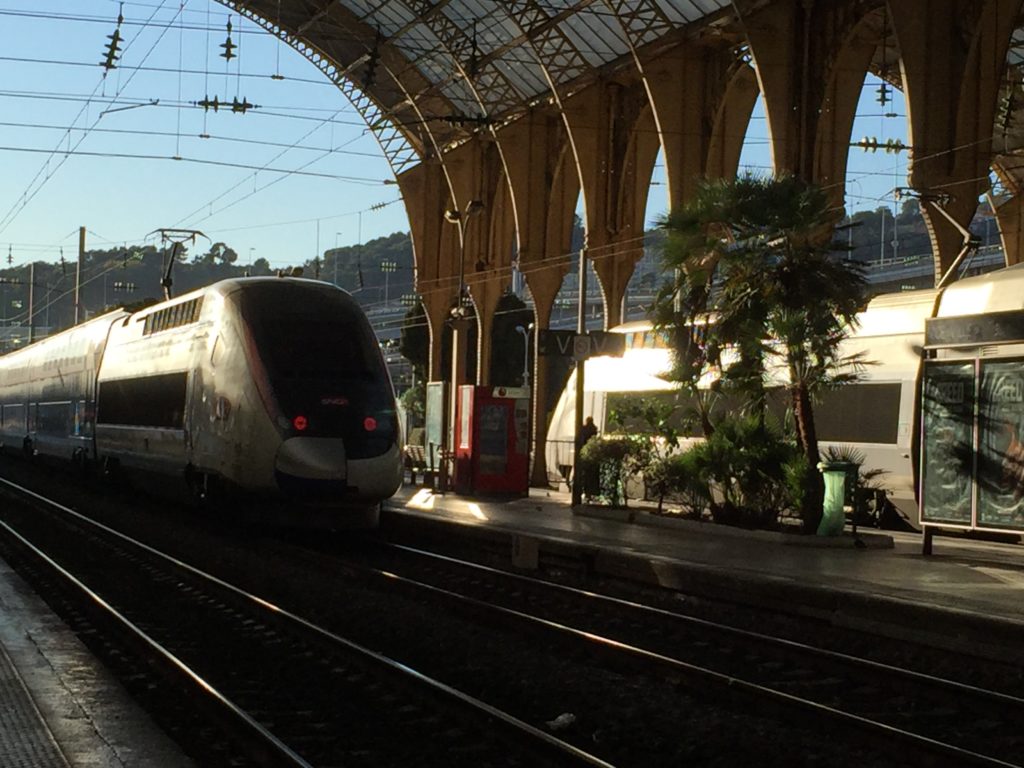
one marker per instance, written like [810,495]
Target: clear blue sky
[264,182]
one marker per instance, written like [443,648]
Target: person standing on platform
[587,431]
[590,477]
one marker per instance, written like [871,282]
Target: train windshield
[323,364]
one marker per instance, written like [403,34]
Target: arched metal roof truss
[445,69]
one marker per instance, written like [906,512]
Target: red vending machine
[492,440]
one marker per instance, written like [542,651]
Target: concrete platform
[60,708]
[967,596]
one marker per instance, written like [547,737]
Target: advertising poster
[1000,450]
[435,425]
[493,440]
[947,452]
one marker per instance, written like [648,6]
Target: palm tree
[754,270]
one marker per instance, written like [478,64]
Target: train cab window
[314,336]
[148,401]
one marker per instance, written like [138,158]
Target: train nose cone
[316,458]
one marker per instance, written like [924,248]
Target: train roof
[230,285]
[905,312]
[998,291]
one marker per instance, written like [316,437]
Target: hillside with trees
[131,277]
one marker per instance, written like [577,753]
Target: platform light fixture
[461,218]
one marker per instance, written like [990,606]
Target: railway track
[645,688]
[917,714]
[281,690]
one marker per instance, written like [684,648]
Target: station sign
[605,343]
[580,346]
[555,343]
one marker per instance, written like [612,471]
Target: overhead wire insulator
[370,78]
[207,103]
[474,56]
[884,93]
[228,46]
[868,144]
[871,144]
[114,46]
[242,106]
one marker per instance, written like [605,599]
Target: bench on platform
[415,456]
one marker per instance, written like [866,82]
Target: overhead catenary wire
[27,196]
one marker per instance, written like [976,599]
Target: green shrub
[746,463]
[607,462]
[682,477]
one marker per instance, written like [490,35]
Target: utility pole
[336,257]
[78,272]
[581,364]
[31,300]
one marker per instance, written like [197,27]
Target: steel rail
[552,747]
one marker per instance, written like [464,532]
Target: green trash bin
[837,475]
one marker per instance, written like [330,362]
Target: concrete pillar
[544,288]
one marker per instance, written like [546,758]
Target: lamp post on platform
[459,323]
[526,351]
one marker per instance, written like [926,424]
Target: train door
[193,397]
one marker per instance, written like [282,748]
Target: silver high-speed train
[272,387]
[878,415]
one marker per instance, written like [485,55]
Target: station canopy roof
[428,74]
[432,72]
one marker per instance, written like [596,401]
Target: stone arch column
[486,248]
[604,120]
[1010,218]
[545,185]
[436,305]
[424,190]
[491,275]
[486,293]
[626,243]
[794,45]
[839,106]
[544,286]
[729,122]
[703,116]
[951,103]
[777,34]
